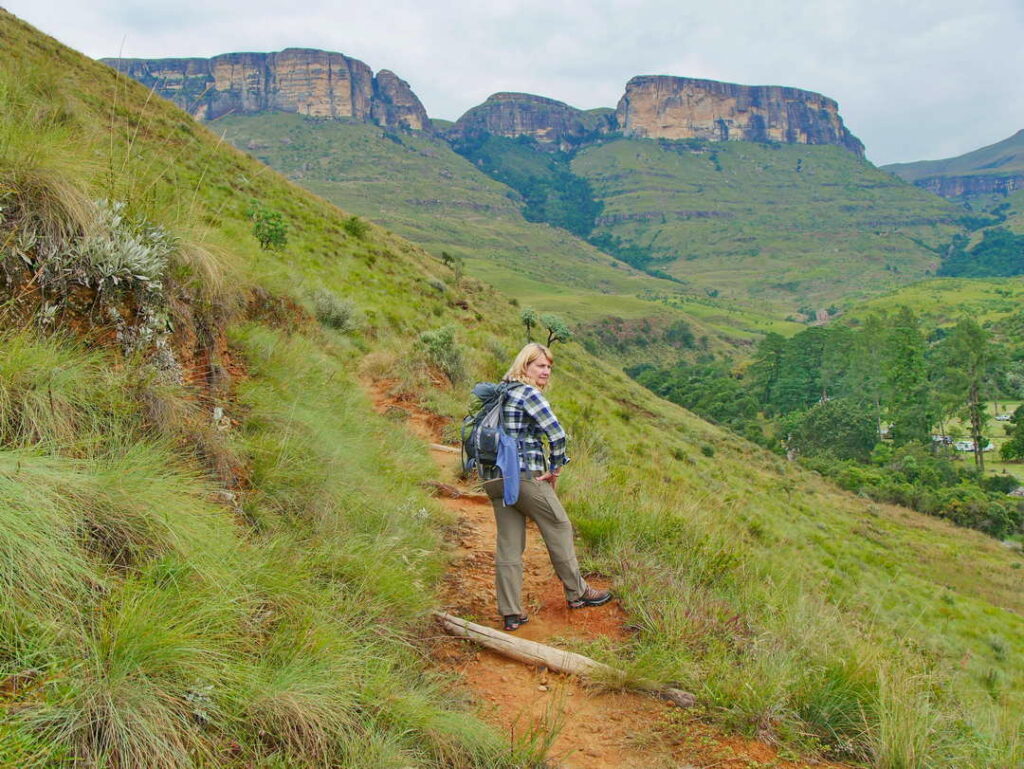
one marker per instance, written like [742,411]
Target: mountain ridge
[308,81]
[996,169]
[332,85]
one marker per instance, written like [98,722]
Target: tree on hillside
[907,396]
[967,363]
[763,373]
[865,376]
[835,428]
[528,317]
[799,383]
[1014,448]
[836,359]
[558,330]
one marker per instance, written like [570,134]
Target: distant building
[969,446]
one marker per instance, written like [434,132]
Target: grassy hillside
[188,587]
[417,186]
[1000,159]
[943,301]
[790,225]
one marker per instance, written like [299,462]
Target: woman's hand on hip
[549,477]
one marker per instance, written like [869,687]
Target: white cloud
[914,78]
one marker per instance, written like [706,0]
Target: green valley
[786,225]
[416,185]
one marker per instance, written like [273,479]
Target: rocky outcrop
[522,114]
[395,105]
[307,81]
[953,187]
[997,169]
[663,107]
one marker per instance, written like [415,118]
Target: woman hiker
[526,417]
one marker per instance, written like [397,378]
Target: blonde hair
[526,356]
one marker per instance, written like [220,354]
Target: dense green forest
[878,408]
[551,192]
[999,253]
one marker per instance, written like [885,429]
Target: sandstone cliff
[522,114]
[662,107]
[952,187]
[309,82]
[659,106]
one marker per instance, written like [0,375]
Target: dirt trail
[596,730]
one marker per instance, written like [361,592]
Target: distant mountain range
[331,85]
[727,194]
[996,169]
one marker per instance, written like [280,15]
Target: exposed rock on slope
[307,81]
[523,114]
[663,107]
[331,85]
[394,103]
[997,169]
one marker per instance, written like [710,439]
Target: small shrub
[707,450]
[444,352]
[268,226]
[356,227]
[335,312]
[437,285]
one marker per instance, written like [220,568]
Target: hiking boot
[514,621]
[591,597]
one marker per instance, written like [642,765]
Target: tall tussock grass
[723,583]
[156,628]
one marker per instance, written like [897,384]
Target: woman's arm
[537,406]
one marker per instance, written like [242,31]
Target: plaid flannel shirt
[526,418]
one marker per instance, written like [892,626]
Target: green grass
[418,187]
[943,301]
[151,624]
[785,225]
[159,626]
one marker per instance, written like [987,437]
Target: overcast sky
[915,79]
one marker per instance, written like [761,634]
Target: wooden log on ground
[533,653]
[442,447]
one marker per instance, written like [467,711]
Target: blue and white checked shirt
[526,418]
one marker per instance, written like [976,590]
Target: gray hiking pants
[537,500]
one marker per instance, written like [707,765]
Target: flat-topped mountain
[326,84]
[310,82]
[524,114]
[663,107]
[995,169]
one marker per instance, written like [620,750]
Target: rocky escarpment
[663,107]
[997,169]
[522,114]
[307,81]
[953,187]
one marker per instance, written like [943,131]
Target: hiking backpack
[481,432]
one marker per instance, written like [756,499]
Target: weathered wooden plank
[533,653]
